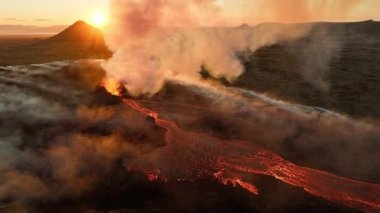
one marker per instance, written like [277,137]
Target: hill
[78,41]
[85,37]
[334,66]
[80,31]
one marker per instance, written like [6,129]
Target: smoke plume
[155,40]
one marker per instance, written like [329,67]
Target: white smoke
[154,40]
[147,53]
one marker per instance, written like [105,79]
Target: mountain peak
[80,31]
[80,22]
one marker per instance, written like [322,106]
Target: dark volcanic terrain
[352,72]
[70,143]
[349,69]
[67,145]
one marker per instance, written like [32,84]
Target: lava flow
[188,156]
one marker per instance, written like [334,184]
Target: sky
[290,11]
[65,12]
[48,12]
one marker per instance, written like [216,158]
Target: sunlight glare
[99,19]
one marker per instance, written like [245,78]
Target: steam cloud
[155,40]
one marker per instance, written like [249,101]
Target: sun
[99,19]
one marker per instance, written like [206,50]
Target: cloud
[42,19]
[15,19]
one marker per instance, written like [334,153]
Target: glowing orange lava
[190,155]
[112,86]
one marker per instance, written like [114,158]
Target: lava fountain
[188,156]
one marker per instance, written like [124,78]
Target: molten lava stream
[190,155]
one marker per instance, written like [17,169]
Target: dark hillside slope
[343,56]
[80,31]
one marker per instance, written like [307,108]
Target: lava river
[190,155]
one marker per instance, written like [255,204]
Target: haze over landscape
[47,13]
[190,106]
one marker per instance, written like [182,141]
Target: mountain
[369,27]
[78,41]
[80,31]
[334,66]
